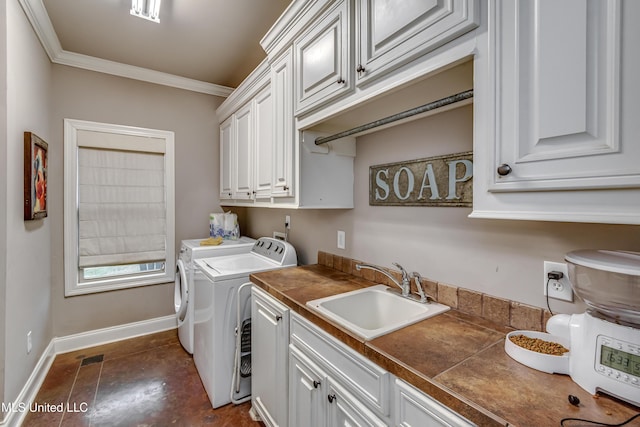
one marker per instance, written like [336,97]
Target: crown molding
[250,86]
[91,63]
[39,19]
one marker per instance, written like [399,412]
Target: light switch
[341,239]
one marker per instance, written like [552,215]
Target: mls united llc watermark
[44,407]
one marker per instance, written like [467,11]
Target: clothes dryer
[216,316]
[191,250]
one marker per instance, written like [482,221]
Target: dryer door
[181,292]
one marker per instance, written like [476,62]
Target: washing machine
[221,312]
[190,250]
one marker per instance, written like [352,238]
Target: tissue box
[225,225]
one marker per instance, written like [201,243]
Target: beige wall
[26,288]
[86,95]
[499,257]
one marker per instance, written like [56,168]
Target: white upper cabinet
[556,112]
[283,130]
[226,138]
[555,101]
[246,140]
[356,42]
[264,147]
[323,58]
[393,32]
[243,153]
[558,101]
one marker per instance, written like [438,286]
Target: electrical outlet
[287,222]
[29,344]
[341,239]
[560,288]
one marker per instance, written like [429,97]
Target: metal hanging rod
[403,115]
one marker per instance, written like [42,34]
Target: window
[119,207]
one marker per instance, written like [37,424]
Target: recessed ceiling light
[147,9]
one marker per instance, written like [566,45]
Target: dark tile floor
[145,381]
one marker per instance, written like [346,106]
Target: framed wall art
[35,177]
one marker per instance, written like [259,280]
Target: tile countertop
[455,358]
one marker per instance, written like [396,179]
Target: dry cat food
[536,344]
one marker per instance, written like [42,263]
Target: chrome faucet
[405,286]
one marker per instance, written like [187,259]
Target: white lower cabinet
[317,400]
[415,409]
[307,385]
[345,410]
[302,376]
[269,358]
[325,390]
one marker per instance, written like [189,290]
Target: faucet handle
[418,278]
[405,275]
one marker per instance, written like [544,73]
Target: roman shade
[121,199]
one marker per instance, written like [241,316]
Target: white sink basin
[374,311]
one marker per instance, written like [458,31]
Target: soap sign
[435,181]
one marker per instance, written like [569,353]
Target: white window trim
[72,286]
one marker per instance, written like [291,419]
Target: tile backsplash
[504,312]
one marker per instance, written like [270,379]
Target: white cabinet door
[226,156]
[243,153]
[559,97]
[358,375]
[323,59]
[555,112]
[315,397]
[264,149]
[282,92]
[416,409]
[394,32]
[306,390]
[269,358]
[343,410]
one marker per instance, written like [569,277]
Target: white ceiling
[215,42]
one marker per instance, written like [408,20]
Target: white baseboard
[59,345]
[16,414]
[112,334]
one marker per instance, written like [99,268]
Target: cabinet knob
[278,318]
[248,194]
[316,384]
[331,398]
[285,188]
[360,68]
[504,169]
[340,80]
[229,194]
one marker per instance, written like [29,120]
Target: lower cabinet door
[416,409]
[345,411]
[306,391]
[269,358]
